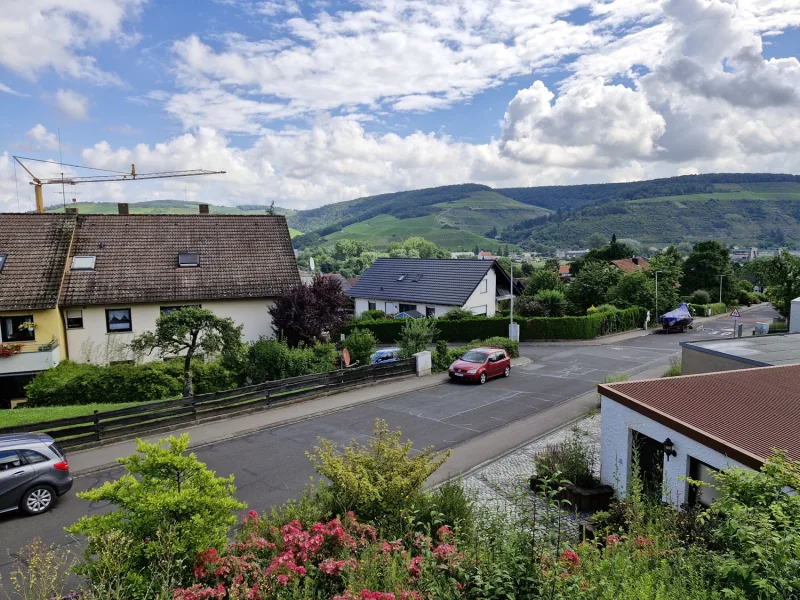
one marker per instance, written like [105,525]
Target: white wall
[93,343]
[617,421]
[477,299]
[487,298]
[794,316]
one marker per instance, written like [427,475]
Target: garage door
[479,310]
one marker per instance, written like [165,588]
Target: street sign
[346,357]
[735,314]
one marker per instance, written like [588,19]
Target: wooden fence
[127,422]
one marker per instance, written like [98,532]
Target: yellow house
[33,254]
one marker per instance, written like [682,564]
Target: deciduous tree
[305,312]
[187,331]
[703,268]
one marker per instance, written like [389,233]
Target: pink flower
[283,580]
[569,556]
[414,567]
[643,542]
[444,532]
[612,541]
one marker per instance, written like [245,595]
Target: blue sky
[306,103]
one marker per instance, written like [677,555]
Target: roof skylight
[83,263]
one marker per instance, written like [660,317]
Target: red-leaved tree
[306,311]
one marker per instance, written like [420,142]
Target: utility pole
[513,328]
[720,288]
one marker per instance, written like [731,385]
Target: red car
[480,364]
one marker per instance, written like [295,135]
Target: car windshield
[474,357]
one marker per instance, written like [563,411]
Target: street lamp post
[720,288]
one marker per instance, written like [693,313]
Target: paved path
[477,422]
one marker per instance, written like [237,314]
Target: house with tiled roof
[431,286]
[33,252]
[91,283]
[695,426]
[123,271]
[629,265]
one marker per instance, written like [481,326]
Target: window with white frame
[74,319]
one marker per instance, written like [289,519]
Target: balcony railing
[33,356]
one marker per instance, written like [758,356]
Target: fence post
[96,425]
[194,408]
[267,398]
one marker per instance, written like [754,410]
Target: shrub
[379,482]
[527,306]
[717,308]
[440,356]
[361,345]
[510,346]
[371,315]
[457,314]
[605,308]
[211,376]
[571,460]
[269,360]
[700,297]
[553,301]
[674,368]
[416,335]
[45,388]
[169,507]
[449,504]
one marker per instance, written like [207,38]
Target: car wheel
[507,372]
[482,378]
[38,499]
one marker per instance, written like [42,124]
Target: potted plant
[569,466]
[29,325]
[11,349]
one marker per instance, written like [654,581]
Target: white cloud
[8,90]
[72,104]
[43,138]
[56,34]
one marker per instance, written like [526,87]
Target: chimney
[71,210]
[204,209]
[122,208]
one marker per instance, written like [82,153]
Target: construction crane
[117,176]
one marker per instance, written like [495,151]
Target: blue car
[385,355]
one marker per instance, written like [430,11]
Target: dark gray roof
[432,281]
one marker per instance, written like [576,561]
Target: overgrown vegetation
[372,533]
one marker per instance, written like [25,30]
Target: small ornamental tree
[190,330]
[361,345]
[379,481]
[542,279]
[168,507]
[305,312]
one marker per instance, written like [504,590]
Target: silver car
[33,473]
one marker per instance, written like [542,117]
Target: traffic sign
[735,314]
[346,357]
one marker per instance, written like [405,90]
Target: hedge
[717,308]
[387,331]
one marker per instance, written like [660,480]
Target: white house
[431,286]
[123,271]
[695,426]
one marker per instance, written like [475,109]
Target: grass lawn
[23,416]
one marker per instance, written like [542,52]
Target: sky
[308,103]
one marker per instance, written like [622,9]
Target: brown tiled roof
[563,269]
[36,247]
[743,414]
[628,266]
[137,258]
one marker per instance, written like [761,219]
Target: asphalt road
[270,466]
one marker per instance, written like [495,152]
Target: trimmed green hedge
[717,308]
[387,331]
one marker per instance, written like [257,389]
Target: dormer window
[189,259]
[2,261]
[83,263]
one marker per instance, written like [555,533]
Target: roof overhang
[706,439]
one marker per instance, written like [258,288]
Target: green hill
[171,207]
[760,214]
